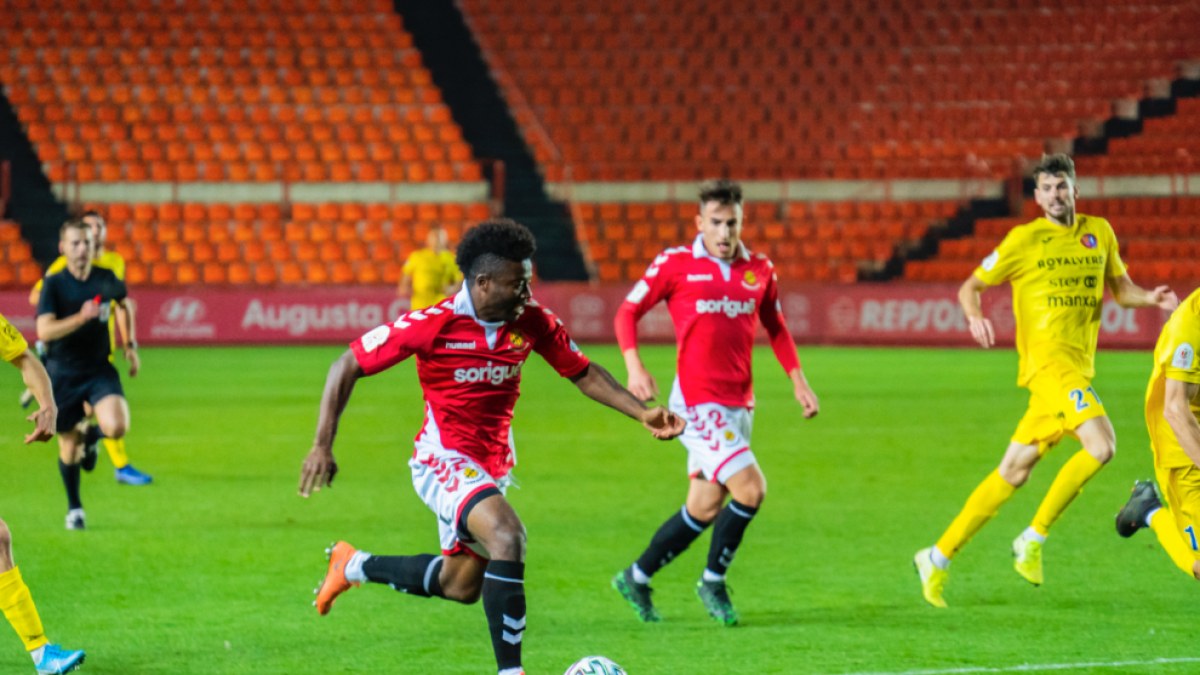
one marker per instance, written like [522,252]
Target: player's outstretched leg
[336,581]
[748,488]
[1099,443]
[70,454]
[1144,509]
[981,506]
[17,605]
[672,539]
[91,446]
[112,413]
[1141,507]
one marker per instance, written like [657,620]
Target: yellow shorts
[1060,399]
[1181,487]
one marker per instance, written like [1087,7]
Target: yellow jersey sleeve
[453,274]
[1115,267]
[59,264]
[12,343]
[1003,262]
[1182,339]
[113,262]
[411,264]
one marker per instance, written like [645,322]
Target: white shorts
[717,437]
[446,480]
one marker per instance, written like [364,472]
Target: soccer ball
[594,665]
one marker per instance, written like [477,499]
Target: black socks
[672,538]
[504,605]
[727,535]
[70,477]
[411,574]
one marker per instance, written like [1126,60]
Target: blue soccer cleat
[56,660]
[131,476]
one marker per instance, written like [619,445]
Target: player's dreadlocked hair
[722,191]
[484,246]
[1054,165]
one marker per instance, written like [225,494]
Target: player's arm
[646,293]
[599,385]
[970,298]
[50,328]
[405,288]
[38,381]
[770,313]
[128,330]
[319,466]
[1178,413]
[1129,294]
[376,351]
[35,295]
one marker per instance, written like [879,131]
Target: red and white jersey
[716,306]
[470,371]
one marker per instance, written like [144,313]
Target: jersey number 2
[1077,396]
[1191,531]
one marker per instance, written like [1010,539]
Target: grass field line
[1031,667]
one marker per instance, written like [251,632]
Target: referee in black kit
[73,322]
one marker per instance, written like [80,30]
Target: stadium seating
[288,90]
[1159,237]
[17,265]
[320,244]
[807,241]
[1167,145]
[637,90]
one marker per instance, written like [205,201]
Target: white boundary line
[1031,667]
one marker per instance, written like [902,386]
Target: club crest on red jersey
[750,280]
[516,339]
[1088,240]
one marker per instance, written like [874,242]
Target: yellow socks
[1164,525]
[1066,487]
[18,608]
[981,506]
[116,452]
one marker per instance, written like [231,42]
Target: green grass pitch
[211,569]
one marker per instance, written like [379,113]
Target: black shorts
[74,387]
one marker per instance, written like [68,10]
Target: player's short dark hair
[486,245]
[722,191]
[1054,165]
[73,224]
[91,213]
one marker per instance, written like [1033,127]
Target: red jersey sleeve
[771,315]
[553,343]
[385,346]
[650,290]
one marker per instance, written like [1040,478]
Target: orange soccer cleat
[335,582]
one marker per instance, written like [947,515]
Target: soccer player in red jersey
[717,292]
[469,349]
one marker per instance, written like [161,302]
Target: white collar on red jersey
[698,251]
[464,306]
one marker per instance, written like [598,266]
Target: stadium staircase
[1159,236]
[31,203]
[240,119]
[459,71]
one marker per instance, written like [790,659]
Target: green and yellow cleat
[1027,559]
[933,578]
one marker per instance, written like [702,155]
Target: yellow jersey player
[1172,414]
[15,600]
[1058,266]
[112,261]
[430,275]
